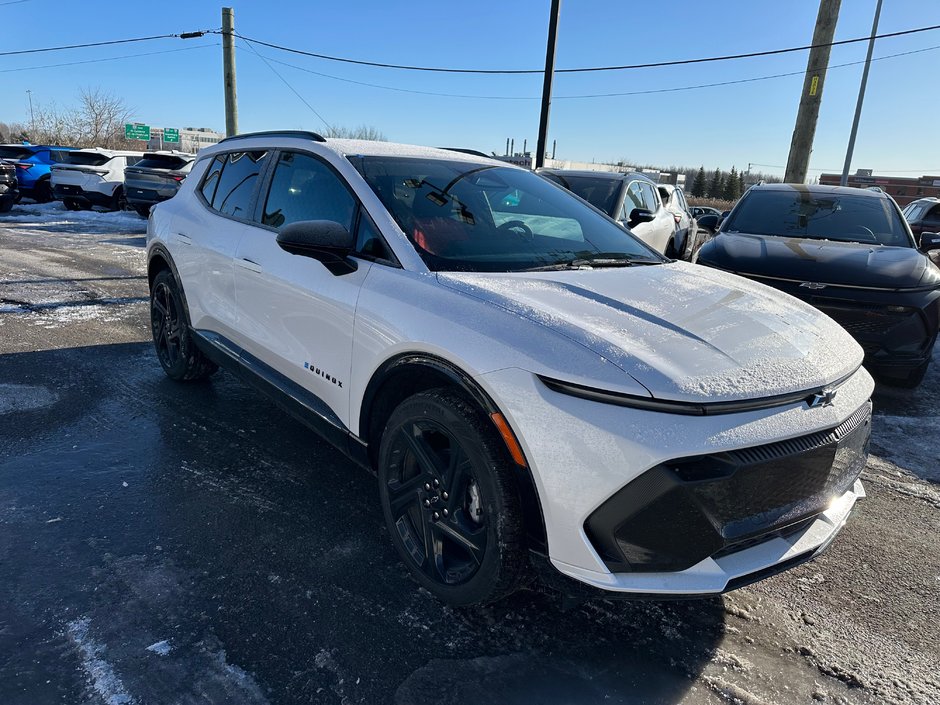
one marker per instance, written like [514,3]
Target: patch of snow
[100,673]
[161,648]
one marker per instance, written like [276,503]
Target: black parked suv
[9,192]
[155,178]
[848,252]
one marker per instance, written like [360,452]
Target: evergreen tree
[742,185]
[714,185]
[731,190]
[699,185]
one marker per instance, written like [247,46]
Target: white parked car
[93,177]
[532,384]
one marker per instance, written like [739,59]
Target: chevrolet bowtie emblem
[812,285]
[823,398]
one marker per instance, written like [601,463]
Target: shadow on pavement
[202,515]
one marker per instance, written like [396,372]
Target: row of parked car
[82,178]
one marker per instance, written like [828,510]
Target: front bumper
[582,454]
[9,191]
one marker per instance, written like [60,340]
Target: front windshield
[466,216]
[823,216]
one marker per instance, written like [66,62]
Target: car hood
[684,332]
[819,261]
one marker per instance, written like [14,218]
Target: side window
[369,241]
[682,202]
[934,215]
[237,183]
[212,179]
[304,188]
[649,197]
[634,197]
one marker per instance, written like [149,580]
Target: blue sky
[717,127]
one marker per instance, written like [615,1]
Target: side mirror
[929,241]
[725,214]
[323,240]
[709,222]
[640,215]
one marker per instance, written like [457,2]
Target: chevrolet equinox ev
[539,392]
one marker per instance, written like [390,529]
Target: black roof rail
[302,134]
[474,152]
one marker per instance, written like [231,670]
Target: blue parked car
[33,162]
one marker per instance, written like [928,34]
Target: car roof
[606,175]
[35,146]
[348,147]
[110,152]
[819,189]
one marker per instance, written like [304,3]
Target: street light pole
[861,99]
[32,120]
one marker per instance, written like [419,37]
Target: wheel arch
[407,374]
[158,260]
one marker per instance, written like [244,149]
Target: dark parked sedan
[849,253]
[8,187]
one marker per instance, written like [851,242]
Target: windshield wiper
[593,263]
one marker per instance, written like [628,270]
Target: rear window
[58,155]
[824,216]
[87,158]
[162,161]
[600,193]
[15,153]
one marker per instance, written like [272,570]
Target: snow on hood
[683,331]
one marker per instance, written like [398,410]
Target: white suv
[532,384]
[93,177]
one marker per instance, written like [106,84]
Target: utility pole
[861,98]
[547,84]
[228,70]
[801,146]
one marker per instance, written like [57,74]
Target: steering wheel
[866,231]
[519,228]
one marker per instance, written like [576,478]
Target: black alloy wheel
[178,355]
[449,502]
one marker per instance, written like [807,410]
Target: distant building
[192,139]
[902,189]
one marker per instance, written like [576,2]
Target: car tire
[6,204]
[42,192]
[119,200]
[72,205]
[450,503]
[173,340]
[143,211]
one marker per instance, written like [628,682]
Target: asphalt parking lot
[165,543]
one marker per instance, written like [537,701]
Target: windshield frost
[465,216]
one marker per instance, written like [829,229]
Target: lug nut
[446,513]
[427,486]
[436,516]
[427,503]
[444,495]
[437,483]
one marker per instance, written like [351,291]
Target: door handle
[248,264]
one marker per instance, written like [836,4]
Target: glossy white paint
[673,331]
[103,179]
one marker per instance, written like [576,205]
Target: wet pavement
[168,543]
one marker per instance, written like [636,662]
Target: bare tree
[363,132]
[100,119]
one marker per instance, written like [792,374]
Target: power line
[657,64]
[184,35]
[585,95]
[110,58]
[286,83]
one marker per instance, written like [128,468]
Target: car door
[658,232]
[204,238]
[294,315]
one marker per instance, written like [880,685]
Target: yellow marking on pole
[813,85]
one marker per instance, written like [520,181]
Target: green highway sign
[137,132]
[171,134]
